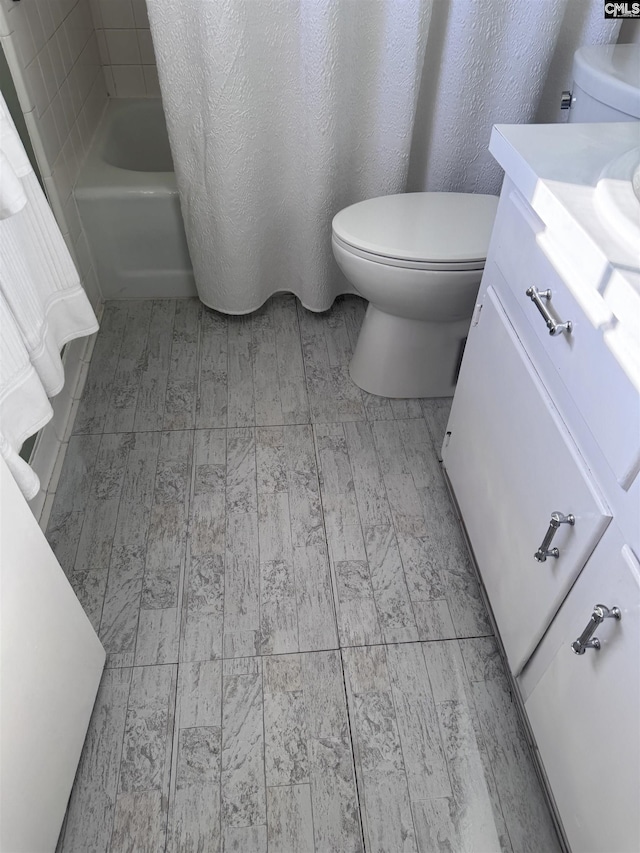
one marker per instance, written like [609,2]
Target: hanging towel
[12,197]
[24,405]
[43,303]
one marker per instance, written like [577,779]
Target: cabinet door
[585,710]
[512,464]
[50,662]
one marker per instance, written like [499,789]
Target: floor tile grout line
[124,473]
[173,760]
[440,731]
[362,532]
[198,366]
[185,573]
[304,361]
[360,795]
[120,752]
[335,601]
[146,549]
[264,756]
[393,521]
[257,425]
[117,364]
[137,368]
[168,376]
[334,590]
[259,637]
[311,651]
[225,552]
[292,551]
[198,392]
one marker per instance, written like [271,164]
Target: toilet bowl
[418,259]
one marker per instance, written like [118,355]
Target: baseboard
[52,441]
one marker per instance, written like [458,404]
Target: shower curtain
[282,112]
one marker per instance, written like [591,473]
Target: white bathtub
[129,205]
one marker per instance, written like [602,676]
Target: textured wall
[126,49]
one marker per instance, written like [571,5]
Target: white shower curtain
[282,112]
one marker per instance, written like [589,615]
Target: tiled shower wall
[126,50]
[52,51]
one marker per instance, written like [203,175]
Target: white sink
[618,196]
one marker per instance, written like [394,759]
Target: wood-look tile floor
[298,656]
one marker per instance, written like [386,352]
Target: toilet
[418,259]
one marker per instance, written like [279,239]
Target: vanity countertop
[558,169]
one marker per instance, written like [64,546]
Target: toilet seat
[440,231]
[406,264]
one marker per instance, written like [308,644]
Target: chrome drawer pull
[536,296]
[584,641]
[557,518]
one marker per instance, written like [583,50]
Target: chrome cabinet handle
[600,613]
[557,518]
[536,296]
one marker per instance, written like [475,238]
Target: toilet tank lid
[610,73]
[442,227]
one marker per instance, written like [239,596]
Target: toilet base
[398,357]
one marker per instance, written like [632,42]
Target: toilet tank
[606,83]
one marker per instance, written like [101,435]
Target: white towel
[43,304]
[12,197]
[14,164]
[24,405]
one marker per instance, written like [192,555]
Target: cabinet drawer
[585,710]
[602,391]
[512,464]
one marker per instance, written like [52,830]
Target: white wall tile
[50,137]
[129,81]
[6,26]
[151,81]
[46,16]
[96,14]
[102,47]
[58,65]
[147,54]
[22,38]
[65,50]
[117,22]
[48,76]
[123,47]
[140,14]
[117,14]
[36,87]
[54,202]
[72,218]
[35,25]
[92,289]
[109,82]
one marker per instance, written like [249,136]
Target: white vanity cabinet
[542,453]
[585,708]
[513,465]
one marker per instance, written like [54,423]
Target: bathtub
[128,202]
